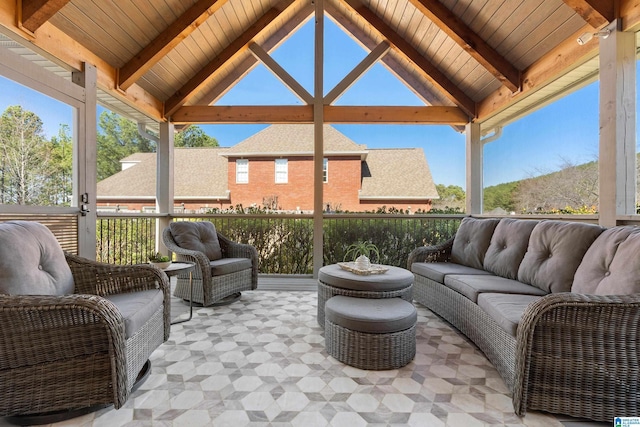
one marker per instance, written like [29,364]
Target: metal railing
[284,241]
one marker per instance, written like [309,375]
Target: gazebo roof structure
[481,61]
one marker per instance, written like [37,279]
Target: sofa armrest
[579,354]
[436,253]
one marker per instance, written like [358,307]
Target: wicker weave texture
[208,289]
[72,349]
[327,291]
[370,351]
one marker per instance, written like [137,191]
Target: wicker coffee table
[333,280]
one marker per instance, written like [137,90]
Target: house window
[242,171]
[282,171]
[325,170]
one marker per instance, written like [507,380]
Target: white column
[164,182]
[318,151]
[474,169]
[617,162]
[85,175]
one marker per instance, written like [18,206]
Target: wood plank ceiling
[173,59]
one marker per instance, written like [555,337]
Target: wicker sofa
[555,306]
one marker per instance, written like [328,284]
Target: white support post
[85,166]
[617,162]
[164,182]
[318,136]
[474,169]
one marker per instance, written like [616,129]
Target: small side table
[176,268]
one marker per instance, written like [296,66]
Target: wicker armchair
[223,268]
[74,335]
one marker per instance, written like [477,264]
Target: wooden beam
[630,15]
[237,72]
[565,57]
[281,74]
[33,13]
[206,114]
[168,39]
[350,26]
[395,115]
[364,65]
[429,71]
[596,13]
[235,48]
[203,114]
[471,42]
[58,47]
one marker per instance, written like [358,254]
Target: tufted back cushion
[31,261]
[472,240]
[611,266]
[197,236]
[555,250]
[508,246]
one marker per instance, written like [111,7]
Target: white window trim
[242,171]
[325,169]
[281,171]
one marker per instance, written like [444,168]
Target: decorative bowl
[161,265]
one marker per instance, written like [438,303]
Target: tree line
[37,170]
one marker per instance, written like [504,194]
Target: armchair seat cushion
[137,308]
[224,266]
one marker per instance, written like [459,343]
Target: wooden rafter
[168,39]
[238,71]
[305,114]
[280,73]
[596,13]
[236,47]
[407,77]
[34,13]
[471,42]
[563,58]
[429,71]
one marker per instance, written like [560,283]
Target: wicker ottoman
[373,334]
[333,280]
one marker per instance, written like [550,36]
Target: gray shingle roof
[401,173]
[202,172]
[199,172]
[294,139]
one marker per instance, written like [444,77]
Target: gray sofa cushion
[471,286]
[373,316]
[31,261]
[437,271]
[472,240]
[508,246]
[611,266]
[506,309]
[197,236]
[137,308]
[555,250]
[224,266]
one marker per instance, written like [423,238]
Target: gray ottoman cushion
[394,279]
[374,316]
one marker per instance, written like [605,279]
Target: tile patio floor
[261,362]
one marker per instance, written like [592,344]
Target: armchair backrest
[197,236]
[32,261]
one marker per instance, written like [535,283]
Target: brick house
[274,169]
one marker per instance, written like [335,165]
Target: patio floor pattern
[261,361]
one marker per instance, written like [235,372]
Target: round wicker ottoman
[372,334]
[333,280]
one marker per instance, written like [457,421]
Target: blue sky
[565,130]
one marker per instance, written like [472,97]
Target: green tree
[451,197]
[25,158]
[118,138]
[192,137]
[501,196]
[59,187]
